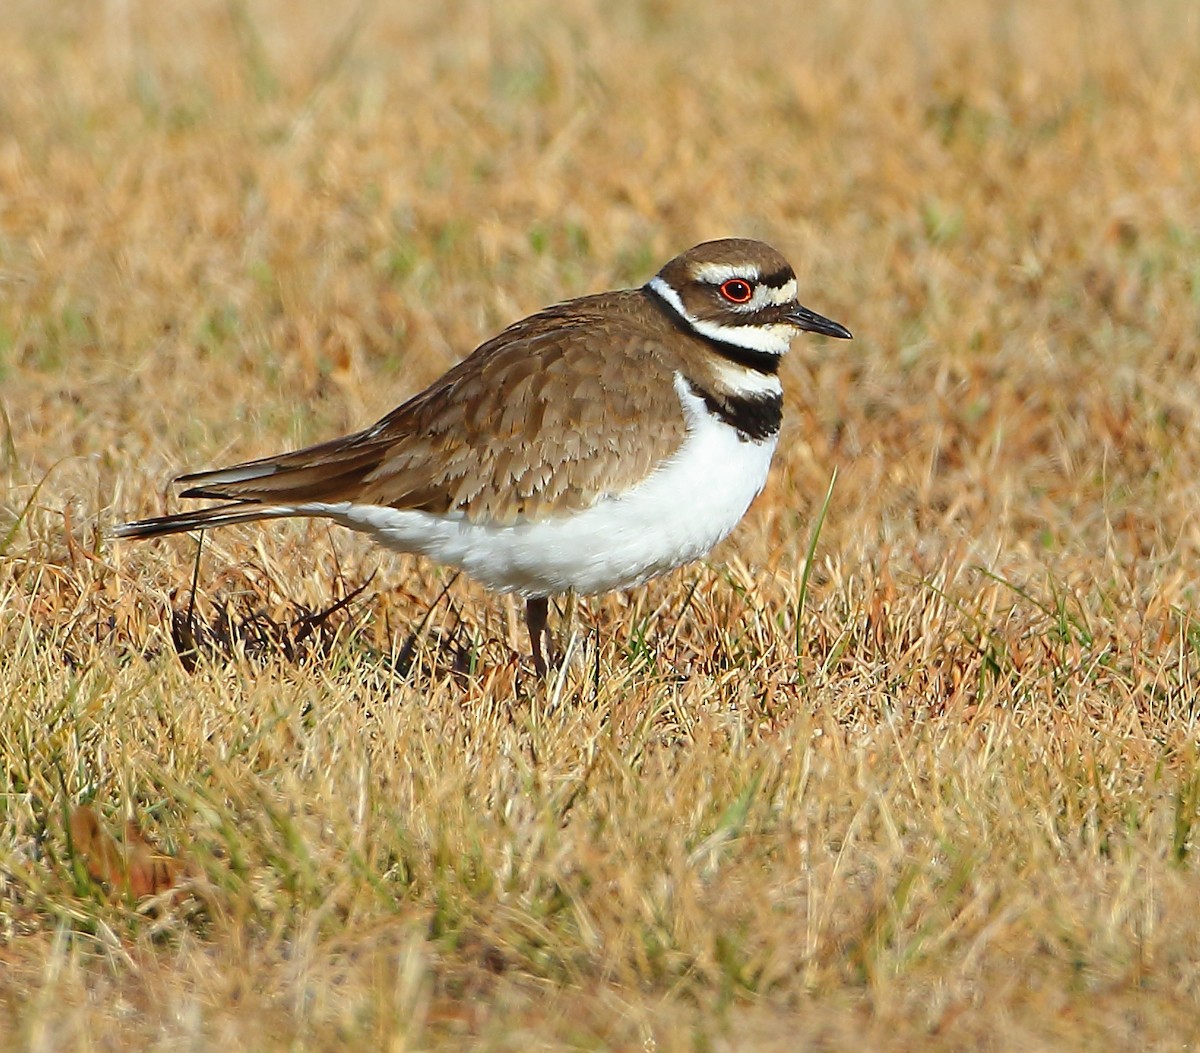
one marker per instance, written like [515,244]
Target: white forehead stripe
[765,296]
[717,273]
[770,339]
[785,294]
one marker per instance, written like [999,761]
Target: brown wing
[559,409]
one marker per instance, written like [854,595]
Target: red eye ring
[737,290]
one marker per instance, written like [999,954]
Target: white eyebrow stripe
[770,339]
[716,273]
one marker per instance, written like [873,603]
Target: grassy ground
[941,793]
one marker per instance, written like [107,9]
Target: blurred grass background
[944,798]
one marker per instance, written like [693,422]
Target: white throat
[769,339]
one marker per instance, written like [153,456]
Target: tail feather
[323,482]
[271,487]
[201,519]
[325,472]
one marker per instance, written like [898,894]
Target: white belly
[674,516]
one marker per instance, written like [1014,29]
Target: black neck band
[754,417]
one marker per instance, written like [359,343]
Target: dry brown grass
[947,799]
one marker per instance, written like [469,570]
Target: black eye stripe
[777,279]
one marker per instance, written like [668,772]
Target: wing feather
[542,420]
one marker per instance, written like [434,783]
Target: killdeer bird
[588,447]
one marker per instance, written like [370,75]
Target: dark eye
[737,290]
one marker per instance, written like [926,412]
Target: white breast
[674,516]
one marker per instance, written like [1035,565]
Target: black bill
[811,322]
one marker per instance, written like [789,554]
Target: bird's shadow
[225,630]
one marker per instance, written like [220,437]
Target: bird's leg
[571,600]
[537,613]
